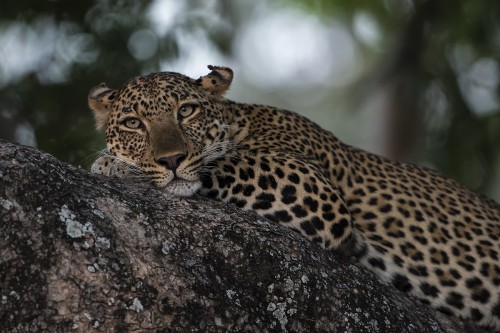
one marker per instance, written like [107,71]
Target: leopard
[415,229]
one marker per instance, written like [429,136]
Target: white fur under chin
[182,188]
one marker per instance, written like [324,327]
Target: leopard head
[167,125]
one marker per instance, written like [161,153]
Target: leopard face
[166,126]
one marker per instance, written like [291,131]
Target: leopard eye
[132,123]
[186,110]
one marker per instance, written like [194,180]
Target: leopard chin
[182,188]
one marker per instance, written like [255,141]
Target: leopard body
[424,233]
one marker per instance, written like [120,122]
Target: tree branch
[84,253]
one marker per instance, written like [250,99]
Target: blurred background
[412,80]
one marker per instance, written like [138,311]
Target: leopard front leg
[110,166]
[287,190]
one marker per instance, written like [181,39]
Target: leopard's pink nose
[171,162]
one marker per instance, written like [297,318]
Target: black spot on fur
[482,295]
[229,168]
[299,211]
[338,229]
[455,300]
[386,208]
[265,166]
[401,282]
[237,189]
[330,216]
[343,210]
[264,205]
[288,194]
[308,228]
[248,190]
[279,173]
[369,216]
[418,270]
[311,203]
[496,310]
[475,314]
[265,197]
[263,182]
[377,262]
[318,224]
[283,216]
[294,178]
[429,289]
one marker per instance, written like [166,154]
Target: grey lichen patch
[271,306]
[218,321]
[230,293]
[167,247]
[279,312]
[97,212]
[283,294]
[103,242]
[233,296]
[74,229]
[288,284]
[93,268]
[136,305]
[6,204]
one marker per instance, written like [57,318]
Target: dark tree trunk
[82,253]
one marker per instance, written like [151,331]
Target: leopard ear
[217,82]
[100,100]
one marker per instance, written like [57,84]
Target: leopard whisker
[93,156]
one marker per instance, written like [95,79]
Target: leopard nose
[171,162]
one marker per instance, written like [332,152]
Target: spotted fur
[422,232]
